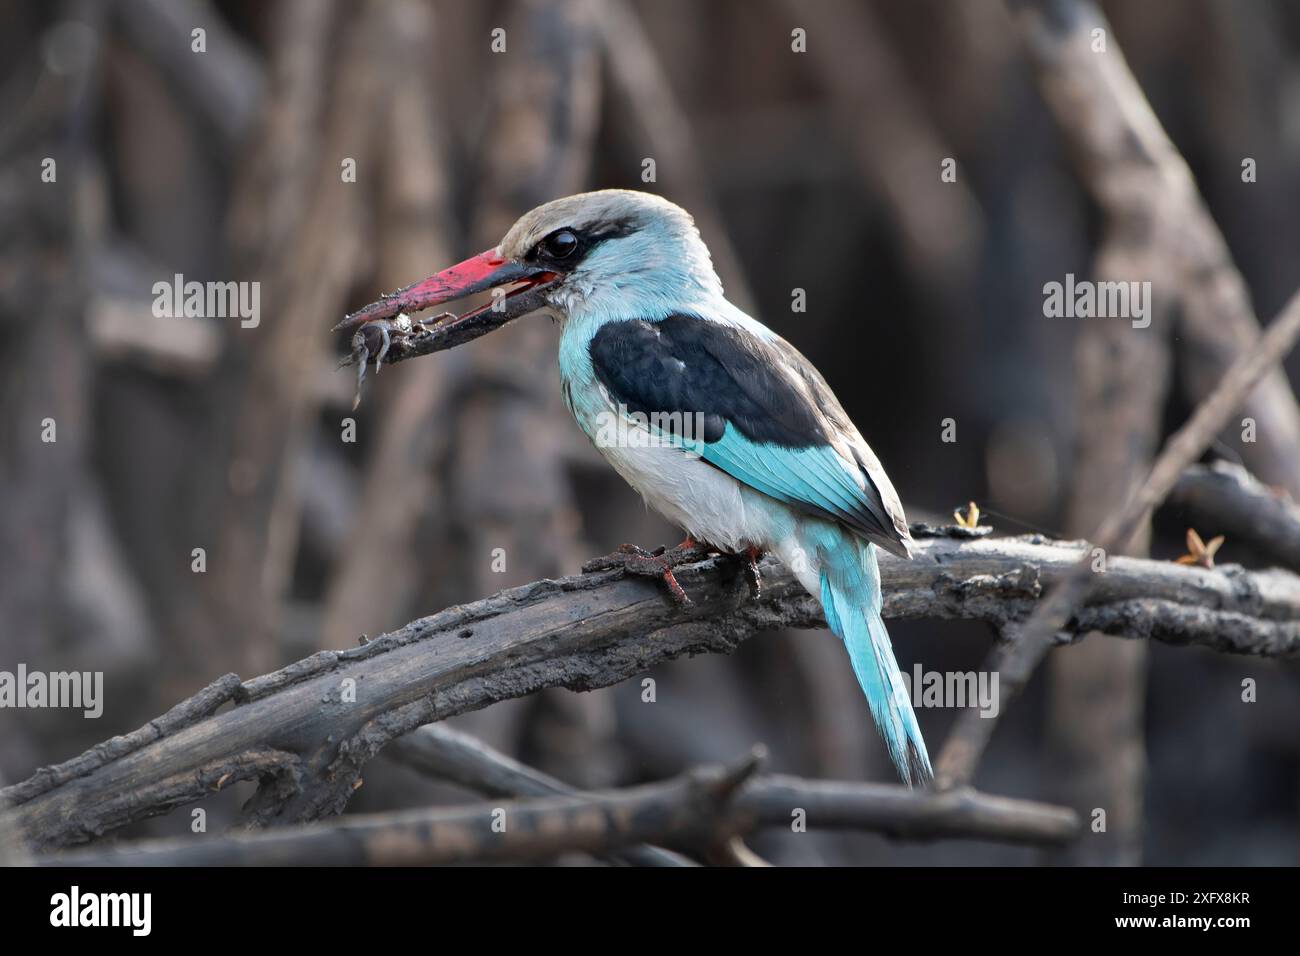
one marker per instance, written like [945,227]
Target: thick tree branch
[306,731]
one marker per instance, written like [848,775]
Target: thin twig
[896,811]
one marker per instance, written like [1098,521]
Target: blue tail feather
[851,600]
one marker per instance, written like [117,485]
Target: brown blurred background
[816,171]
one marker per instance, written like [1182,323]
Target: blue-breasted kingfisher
[735,436]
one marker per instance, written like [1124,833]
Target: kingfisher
[722,426]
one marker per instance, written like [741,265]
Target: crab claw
[388,341]
[359,354]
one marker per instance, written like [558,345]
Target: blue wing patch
[768,418]
[813,478]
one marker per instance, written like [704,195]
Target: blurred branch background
[816,170]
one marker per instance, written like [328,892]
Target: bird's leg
[751,558]
[658,563]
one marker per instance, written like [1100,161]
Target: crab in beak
[384,328]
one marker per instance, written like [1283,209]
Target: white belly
[709,504]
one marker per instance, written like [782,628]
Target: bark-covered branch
[698,811]
[453,756]
[307,730]
[696,808]
[1224,497]
[449,755]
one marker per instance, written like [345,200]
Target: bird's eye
[560,245]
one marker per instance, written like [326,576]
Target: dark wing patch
[683,364]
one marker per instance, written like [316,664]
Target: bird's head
[593,253]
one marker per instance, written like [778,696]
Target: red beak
[487,270]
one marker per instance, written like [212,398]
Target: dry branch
[696,808]
[299,732]
[450,755]
[892,809]
[1111,127]
[1224,497]
[966,743]
[1097,695]
[1158,230]
[1128,163]
[701,810]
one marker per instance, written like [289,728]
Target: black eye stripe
[567,246]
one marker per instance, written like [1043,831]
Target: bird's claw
[659,563]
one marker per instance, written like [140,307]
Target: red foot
[658,563]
